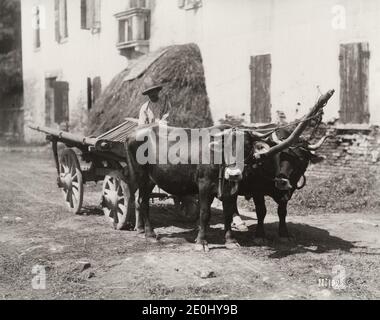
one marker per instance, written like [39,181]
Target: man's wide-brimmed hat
[150,86]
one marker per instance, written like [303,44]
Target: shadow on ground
[304,238]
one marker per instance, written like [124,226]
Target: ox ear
[261,147]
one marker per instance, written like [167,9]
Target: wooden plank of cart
[106,156]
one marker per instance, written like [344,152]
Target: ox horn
[275,138]
[299,129]
[222,133]
[261,136]
[315,147]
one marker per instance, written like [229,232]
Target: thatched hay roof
[181,68]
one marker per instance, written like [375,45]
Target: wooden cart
[106,158]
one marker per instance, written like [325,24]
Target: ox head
[291,163]
[239,148]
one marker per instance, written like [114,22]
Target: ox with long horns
[206,180]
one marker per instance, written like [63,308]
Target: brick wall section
[352,151]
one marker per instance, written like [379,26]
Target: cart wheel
[117,203]
[71,181]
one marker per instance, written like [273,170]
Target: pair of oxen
[273,165]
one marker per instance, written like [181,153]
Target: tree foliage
[10,47]
[10,72]
[10,23]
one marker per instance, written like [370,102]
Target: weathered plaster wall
[297,33]
[83,55]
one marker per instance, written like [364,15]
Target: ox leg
[237,222]
[140,226]
[261,212]
[282,212]
[229,208]
[205,201]
[142,208]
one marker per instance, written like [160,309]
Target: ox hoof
[151,237]
[241,227]
[202,246]
[140,231]
[258,241]
[232,245]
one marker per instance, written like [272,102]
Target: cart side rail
[66,136]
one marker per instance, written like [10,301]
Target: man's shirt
[151,112]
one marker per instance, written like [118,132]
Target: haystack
[180,68]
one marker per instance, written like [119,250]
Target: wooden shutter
[147,27]
[96,88]
[61,102]
[83,14]
[129,30]
[354,73]
[90,14]
[57,21]
[49,101]
[122,24]
[89,94]
[37,26]
[261,69]
[97,15]
[64,17]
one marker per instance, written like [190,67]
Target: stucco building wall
[298,34]
[81,56]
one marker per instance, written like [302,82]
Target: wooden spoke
[71,180]
[116,197]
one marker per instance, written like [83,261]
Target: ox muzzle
[283,184]
[233,174]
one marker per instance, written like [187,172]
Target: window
[125,30]
[90,15]
[134,29]
[61,29]
[134,25]
[37,27]
[137,4]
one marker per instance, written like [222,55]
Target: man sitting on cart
[153,110]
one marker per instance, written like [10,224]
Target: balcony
[134,31]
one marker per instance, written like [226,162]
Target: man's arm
[166,110]
[143,116]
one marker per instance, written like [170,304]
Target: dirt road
[37,230]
